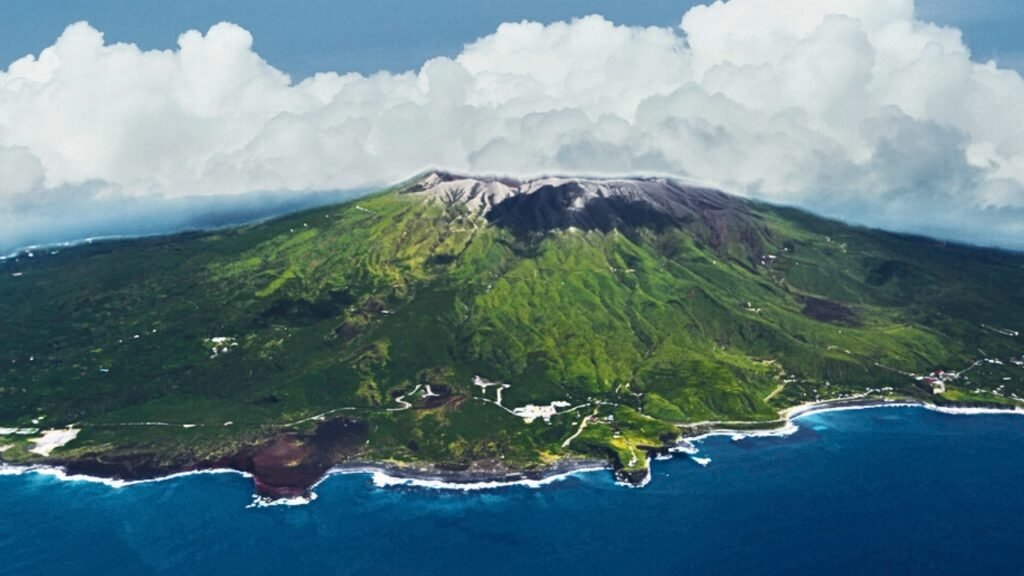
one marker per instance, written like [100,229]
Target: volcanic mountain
[478,327]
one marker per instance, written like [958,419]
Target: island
[486,329]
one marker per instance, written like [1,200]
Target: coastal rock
[288,465]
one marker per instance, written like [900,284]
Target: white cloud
[850,107]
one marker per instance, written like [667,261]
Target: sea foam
[62,475]
[382,479]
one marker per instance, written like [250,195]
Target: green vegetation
[385,309]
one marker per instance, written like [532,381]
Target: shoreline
[789,416]
[390,475]
[387,476]
[381,475]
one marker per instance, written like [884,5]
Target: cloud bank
[852,108]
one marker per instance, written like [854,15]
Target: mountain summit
[604,204]
[480,327]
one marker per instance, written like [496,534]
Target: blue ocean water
[884,491]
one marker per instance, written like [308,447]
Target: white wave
[641,484]
[382,479]
[379,478]
[62,475]
[786,429]
[266,502]
[975,411]
[847,408]
[9,470]
[791,427]
[702,461]
[684,447]
[896,404]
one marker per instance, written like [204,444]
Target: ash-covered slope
[604,204]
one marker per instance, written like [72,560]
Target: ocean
[881,491]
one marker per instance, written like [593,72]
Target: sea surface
[881,491]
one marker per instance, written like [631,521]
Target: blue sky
[155,113]
[305,37]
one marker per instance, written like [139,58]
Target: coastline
[789,416]
[389,475]
[382,475]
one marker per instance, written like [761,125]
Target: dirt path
[775,392]
[583,426]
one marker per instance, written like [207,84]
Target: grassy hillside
[384,310]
